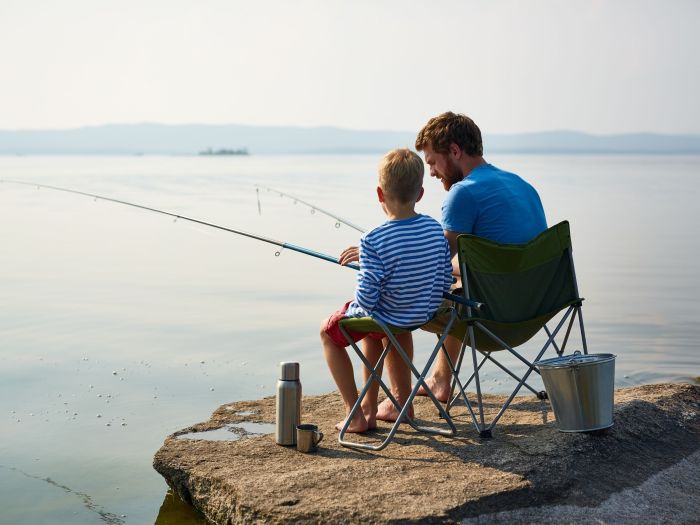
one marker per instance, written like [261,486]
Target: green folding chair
[368,324]
[522,287]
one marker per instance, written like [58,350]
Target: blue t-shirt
[494,204]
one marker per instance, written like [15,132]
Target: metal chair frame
[485,429]
[451,431]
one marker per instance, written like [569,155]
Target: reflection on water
[174,511]
[242,413]
[80,498]
[120,327]
[232,432]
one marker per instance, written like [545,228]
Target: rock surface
[528,472]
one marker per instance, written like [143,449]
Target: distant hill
[129,139]
[577,142]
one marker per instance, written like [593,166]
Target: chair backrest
[519,282]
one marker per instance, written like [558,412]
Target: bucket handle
[572,359]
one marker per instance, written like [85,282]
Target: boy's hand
[350,254]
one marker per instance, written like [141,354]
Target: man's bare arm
[452,241]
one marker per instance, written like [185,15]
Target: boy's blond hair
[401,175]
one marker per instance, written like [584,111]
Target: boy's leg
[372,350]
[399,377]
[341,369]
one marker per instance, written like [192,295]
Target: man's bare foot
[357,425]
[440,389]
[388,412]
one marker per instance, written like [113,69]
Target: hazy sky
[513,65]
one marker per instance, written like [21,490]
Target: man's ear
[420,194]
[455,150]
[380,194]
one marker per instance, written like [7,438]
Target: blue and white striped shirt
[404,269]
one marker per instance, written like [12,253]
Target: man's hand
[350,254]
[452,241]
[456,270]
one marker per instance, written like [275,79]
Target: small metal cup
[308,438]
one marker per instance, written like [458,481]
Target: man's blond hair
[401,175]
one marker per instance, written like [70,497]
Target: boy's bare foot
[440,389]
[371,417]
[388,412]
[357,425]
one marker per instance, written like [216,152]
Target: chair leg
[480,424]
[558,350]
[455,374]
[462,391]
[487,357]
[403,411]
[583,331]
[374,376]
[531,366]
[568,330]
[456,382]
[578,312]
[394,428]
[420,381]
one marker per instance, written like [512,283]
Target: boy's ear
[420,194]
[380,194]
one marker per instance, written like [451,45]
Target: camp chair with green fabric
[522,287]
[368,324]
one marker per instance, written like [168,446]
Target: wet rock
[527,466]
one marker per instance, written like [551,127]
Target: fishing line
[281,244]
[313,208]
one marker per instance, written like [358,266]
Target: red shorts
[333,330]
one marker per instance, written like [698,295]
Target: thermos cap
[289,371]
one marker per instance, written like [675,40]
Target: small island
[225,151]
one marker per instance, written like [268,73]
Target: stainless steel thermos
[288,404]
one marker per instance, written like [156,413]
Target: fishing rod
[314,208]
[281,244]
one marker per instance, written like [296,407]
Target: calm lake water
[119,326]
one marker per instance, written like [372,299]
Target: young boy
[404,269]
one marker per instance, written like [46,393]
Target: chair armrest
[461,300]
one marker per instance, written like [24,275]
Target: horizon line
[338,128]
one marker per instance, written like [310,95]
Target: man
[481,200]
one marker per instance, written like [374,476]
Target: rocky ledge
[527,472]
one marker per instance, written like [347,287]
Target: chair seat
[513,334]
[368,324]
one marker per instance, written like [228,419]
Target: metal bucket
[581,389]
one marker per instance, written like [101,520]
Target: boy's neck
[396,212]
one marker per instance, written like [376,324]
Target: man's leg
[440,381]
[399,378]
